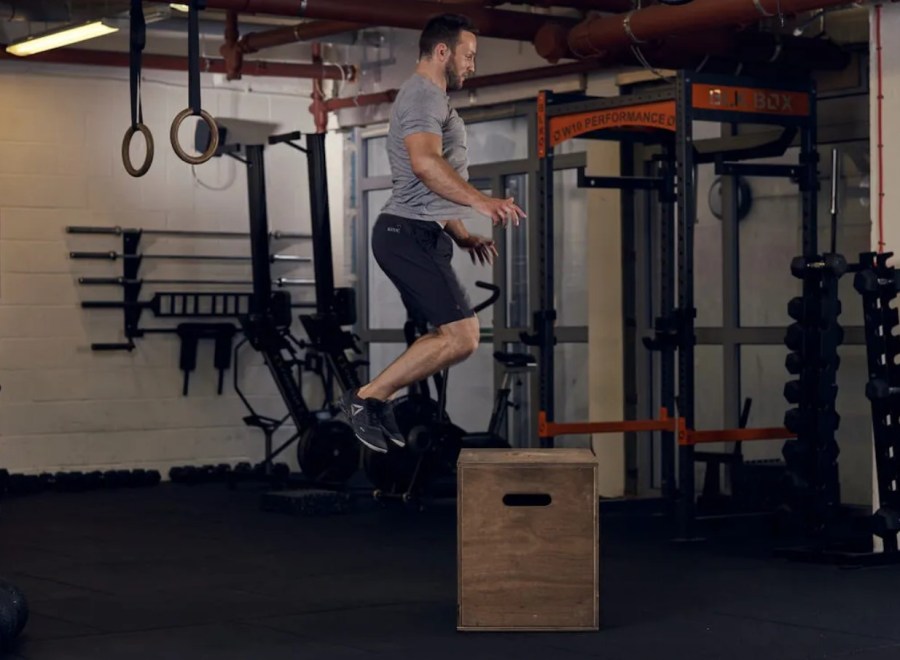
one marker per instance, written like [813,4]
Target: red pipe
[498,23]
[234,48]
[376,98]
[255,41]
[599,35]
[175,63]
[608,6]
[317,108]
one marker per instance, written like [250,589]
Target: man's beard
[454,80]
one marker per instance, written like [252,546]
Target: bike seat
[510,360]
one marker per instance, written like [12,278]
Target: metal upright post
[686,216]
[542,251]
[259,228]
[809,161]
[667,221]
[321,222]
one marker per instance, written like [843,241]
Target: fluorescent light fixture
[180,6]
[68,34]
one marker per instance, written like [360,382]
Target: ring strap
[138,39]
[194,54]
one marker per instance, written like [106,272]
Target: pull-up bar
[183,233]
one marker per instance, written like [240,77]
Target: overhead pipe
[176,63]
[607,6]
[317,108]
[376,98]
[712,50]
[499,23]
[604,34]
[235,46]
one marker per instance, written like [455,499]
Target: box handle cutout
[527,499]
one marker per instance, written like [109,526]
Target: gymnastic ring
[126,149]
[213,137]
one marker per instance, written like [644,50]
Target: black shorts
[415,255]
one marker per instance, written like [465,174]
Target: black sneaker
[364,416]
[389,425]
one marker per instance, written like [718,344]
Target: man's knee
[463,337]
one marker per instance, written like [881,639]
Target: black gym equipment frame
[665,116]
[267,325]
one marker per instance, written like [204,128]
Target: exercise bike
[426,467]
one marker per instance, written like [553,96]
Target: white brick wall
[63,406]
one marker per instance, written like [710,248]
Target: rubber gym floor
[181,571]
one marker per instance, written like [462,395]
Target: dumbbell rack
[878,284]
[812,484]
[812,458]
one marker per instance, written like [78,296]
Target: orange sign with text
[750,99]
[659,115]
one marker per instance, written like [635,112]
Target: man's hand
[500,211]
[478,247]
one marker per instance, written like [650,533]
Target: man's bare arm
[429,165]
[435,172]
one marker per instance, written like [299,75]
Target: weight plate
[328,451]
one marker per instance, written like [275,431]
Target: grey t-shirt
[422,106]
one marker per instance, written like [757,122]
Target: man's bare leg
[448,345]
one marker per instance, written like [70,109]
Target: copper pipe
[255,41]
[497,23]
[317,108]
[234,48]
[598,35]
[175,63]
[375,98]
[608,6]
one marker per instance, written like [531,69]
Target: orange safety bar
[734,435]
[686,437]
[664,423]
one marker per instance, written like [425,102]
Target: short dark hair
[443,29]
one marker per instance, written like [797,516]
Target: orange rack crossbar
[733,435]
[664,423]
[686,437]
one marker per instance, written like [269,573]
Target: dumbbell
[796,335]
[825,394]
[833,264]
[13,613]
[24,484]
[830,308]
[799,421]
[870,281]
[877,389]
[794,362]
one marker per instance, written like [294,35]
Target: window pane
[376,157]
[386,309]
[497,141]
[571,391]
[517,257]
[709,404]
[520,431]
[707,250]
[381,355]
[470,390]
[570,248]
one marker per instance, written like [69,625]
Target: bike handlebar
[495,294]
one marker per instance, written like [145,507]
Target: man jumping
[412,239]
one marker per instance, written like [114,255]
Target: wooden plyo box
[528,540]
